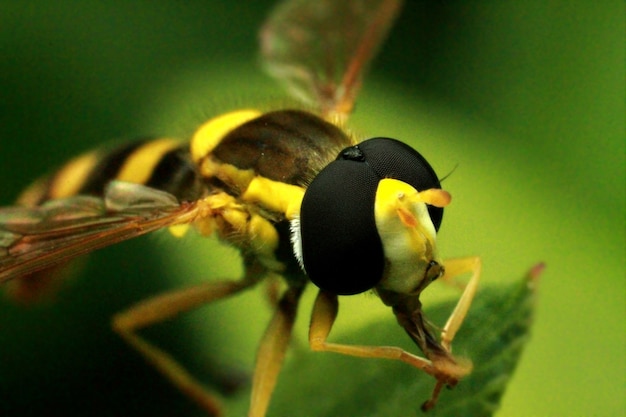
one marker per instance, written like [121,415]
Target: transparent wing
[321,48]
[35,238]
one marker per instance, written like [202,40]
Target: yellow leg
[446,370]
[453,268]
[272,350]
[322,319]
[272,290]
[165,306]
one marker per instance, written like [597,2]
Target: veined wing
[34,238]
[321,48]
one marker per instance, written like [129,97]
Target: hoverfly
[300,197]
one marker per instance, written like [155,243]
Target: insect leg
[453,268]
[324,314]
[165,306]
[272,351]
[272,291]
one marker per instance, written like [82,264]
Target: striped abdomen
[161,163]
[288,146]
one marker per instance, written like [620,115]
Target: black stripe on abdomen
[108,167]
[176,174]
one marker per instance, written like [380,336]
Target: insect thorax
[265,161]
[288,146]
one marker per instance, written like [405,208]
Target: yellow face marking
[211,133]
[72,176]
[407,217]
[140,164]
[407,233]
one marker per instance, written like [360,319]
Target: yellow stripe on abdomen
[141,163]
[209,135]
[71,177]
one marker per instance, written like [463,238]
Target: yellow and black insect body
[162,164]
[299,197]
[267,162]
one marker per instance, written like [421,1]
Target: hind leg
[163,307]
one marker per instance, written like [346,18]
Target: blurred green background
[524,104]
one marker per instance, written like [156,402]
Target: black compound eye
[341,250]
[390,158]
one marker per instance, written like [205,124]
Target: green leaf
[493,337]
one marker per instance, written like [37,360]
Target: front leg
[453,268]
[322,320]
[446,369]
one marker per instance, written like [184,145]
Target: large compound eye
[341,250]
[390,158]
